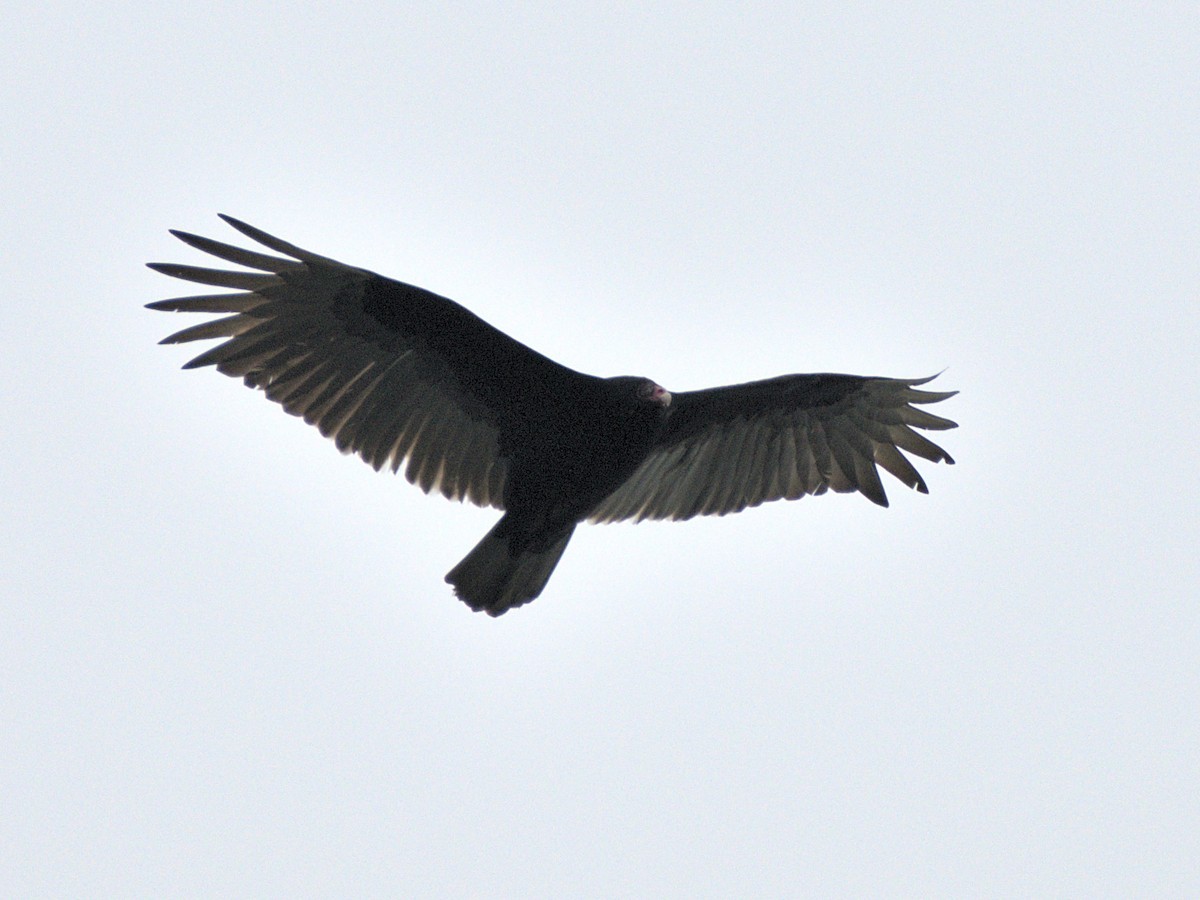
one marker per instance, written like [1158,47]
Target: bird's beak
[661,396]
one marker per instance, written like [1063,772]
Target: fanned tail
[497,576]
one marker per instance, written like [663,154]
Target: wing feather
[907,439]
[226,327]
[897,464]
[213,303]
[238,255]
[246,281]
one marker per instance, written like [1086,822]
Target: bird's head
[650,392]
[635,392]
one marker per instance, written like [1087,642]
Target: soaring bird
[403,377]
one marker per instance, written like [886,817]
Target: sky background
[230,664]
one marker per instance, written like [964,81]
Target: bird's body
[402,376]
[601,436]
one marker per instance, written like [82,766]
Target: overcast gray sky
[230,663]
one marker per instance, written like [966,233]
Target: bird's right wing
[389,371]
[727,448]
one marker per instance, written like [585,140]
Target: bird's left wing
[728,448]
[389,371]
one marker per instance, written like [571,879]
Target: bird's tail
[504,571]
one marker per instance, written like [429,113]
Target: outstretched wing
[731,447]
[389,371]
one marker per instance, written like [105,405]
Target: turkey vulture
[401,376]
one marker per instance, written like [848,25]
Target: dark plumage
[401,376]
